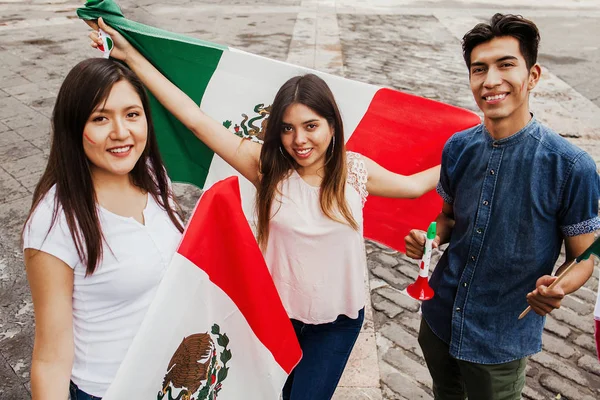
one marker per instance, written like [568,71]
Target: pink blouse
[318,264]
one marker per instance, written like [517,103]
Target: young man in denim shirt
[513,191]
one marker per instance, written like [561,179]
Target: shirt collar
[514,138]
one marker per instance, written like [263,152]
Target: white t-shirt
[110,304]
[318,265]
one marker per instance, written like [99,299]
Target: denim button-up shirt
[514,200]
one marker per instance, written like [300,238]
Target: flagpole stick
[560,277]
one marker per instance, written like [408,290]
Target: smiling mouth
[303,152]
[119,150]
[496,97]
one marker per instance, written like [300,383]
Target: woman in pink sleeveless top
[310,194]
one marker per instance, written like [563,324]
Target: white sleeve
[56,241]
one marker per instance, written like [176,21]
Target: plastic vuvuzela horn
[421,290]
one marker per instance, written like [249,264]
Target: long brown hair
[276,164]
[87,85]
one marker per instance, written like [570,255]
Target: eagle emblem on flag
[252,128]
[197,369]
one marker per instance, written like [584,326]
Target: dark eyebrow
[505,58]
[305,122]
[477,64]
[131,107]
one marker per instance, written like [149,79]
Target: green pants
[456,379]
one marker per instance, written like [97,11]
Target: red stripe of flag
[405,134]
[219,240]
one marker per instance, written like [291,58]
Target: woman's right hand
[122,49]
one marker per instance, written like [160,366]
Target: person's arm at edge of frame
[544,300]
[415,240]
[51,283]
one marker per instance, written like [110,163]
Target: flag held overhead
[402,132]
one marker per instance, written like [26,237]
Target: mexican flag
[402,132]
[217,328]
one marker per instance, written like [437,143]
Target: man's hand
[415,243]
[544,300]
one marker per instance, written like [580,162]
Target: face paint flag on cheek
[107,43]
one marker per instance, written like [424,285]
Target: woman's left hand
[122,49]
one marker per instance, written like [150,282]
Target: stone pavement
[412,46]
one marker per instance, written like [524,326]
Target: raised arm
[51,283]
[384,183]
[243,155]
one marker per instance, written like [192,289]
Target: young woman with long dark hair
[310,193]
[102,229]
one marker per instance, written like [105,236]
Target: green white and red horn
[421,290]
[107,43]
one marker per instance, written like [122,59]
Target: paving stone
[36,131]
[10,188]
[26,166]
[17,351]
[531,370]
[28,92]
[557,346]
[17,150]
[585,294]
[569,317]
[360,371]
[592,283]
[376,283]
[25,119]
[9,137]
[12,218]
[566,389]
[387,260]
[412,321]
[10,106]
[354,393]
[579,306]
[409,269]
[402,388]
[586,341]
[398,359]
[389,275]
[397,334]
[399,298]
[9,382]
[3,127]
[559,367]
[30,181]
[387,307]
[532,394]
[590,364]
[558,328]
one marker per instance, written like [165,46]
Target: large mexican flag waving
[402,132]
[217,328]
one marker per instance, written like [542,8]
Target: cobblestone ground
[412,46]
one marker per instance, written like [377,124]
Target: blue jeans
[325,351]
[78,394]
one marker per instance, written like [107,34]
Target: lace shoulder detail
[357,174]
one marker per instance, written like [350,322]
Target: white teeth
[120,149]
[304,151]
[496,97]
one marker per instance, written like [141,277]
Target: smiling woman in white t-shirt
[101,232]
